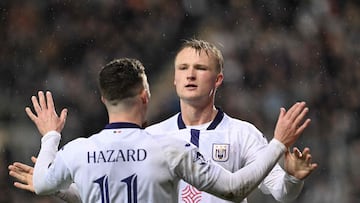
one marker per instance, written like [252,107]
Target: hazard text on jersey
[112,155]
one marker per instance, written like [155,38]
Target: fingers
[23,174]
[31,115]
[308,160]
[297,113]
[300,118]
[289,126]
[295,110]
[306,156]
[33,159]
[36,104]
[37,107]
[17,173]
[306,151]
[63,115]
[303,127]
[50,101]
[23,186]
[297,152]
[282,113]
[313,166]
[42,100]
[24,167]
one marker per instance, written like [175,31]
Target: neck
[125,118]
[197,115]
[132,115]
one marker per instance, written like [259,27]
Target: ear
[103,100]
[144,96]
[219,79]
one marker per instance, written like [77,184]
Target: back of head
[210,49]
[121,79]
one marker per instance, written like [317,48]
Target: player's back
[121,165]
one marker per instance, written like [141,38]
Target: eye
[182,67]
[201,67]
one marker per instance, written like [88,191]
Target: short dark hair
[121,78]
[209,48]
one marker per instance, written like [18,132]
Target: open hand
[291,123]
[24,175]
[299,164]
[46,118]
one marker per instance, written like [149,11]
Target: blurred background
[276,53]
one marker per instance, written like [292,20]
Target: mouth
[190,86]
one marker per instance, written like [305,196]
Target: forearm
[285,188]
[239,185]
[281,185]
[48,150]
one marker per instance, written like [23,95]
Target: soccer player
[123,163]
[198,74]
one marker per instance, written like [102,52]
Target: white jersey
[236,145]
[124,163]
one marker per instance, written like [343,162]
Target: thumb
[33,159]
[63,115]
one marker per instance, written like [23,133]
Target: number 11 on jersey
[131,183]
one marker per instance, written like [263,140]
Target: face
[196,76]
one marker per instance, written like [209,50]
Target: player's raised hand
[45,116]
[23,174]
[299,164]
[291,124]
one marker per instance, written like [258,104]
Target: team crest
[220,152]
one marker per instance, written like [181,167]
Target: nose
[191,74]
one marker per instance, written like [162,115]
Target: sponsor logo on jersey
[220,152]
[190,194]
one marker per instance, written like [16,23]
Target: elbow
[232,197]
[40,191]
[285,199]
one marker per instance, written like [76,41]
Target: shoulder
[171,141]
[241,125]
[242,128]
[80,144]
[74,145]
[164,126]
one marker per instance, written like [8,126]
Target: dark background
[276,53]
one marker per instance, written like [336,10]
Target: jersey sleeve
[282,186]
[50,171]
[212,178]
[278,183]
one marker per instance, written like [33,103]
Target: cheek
[209,84]
[176,81]
[177,78]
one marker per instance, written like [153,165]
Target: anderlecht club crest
[220,152]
